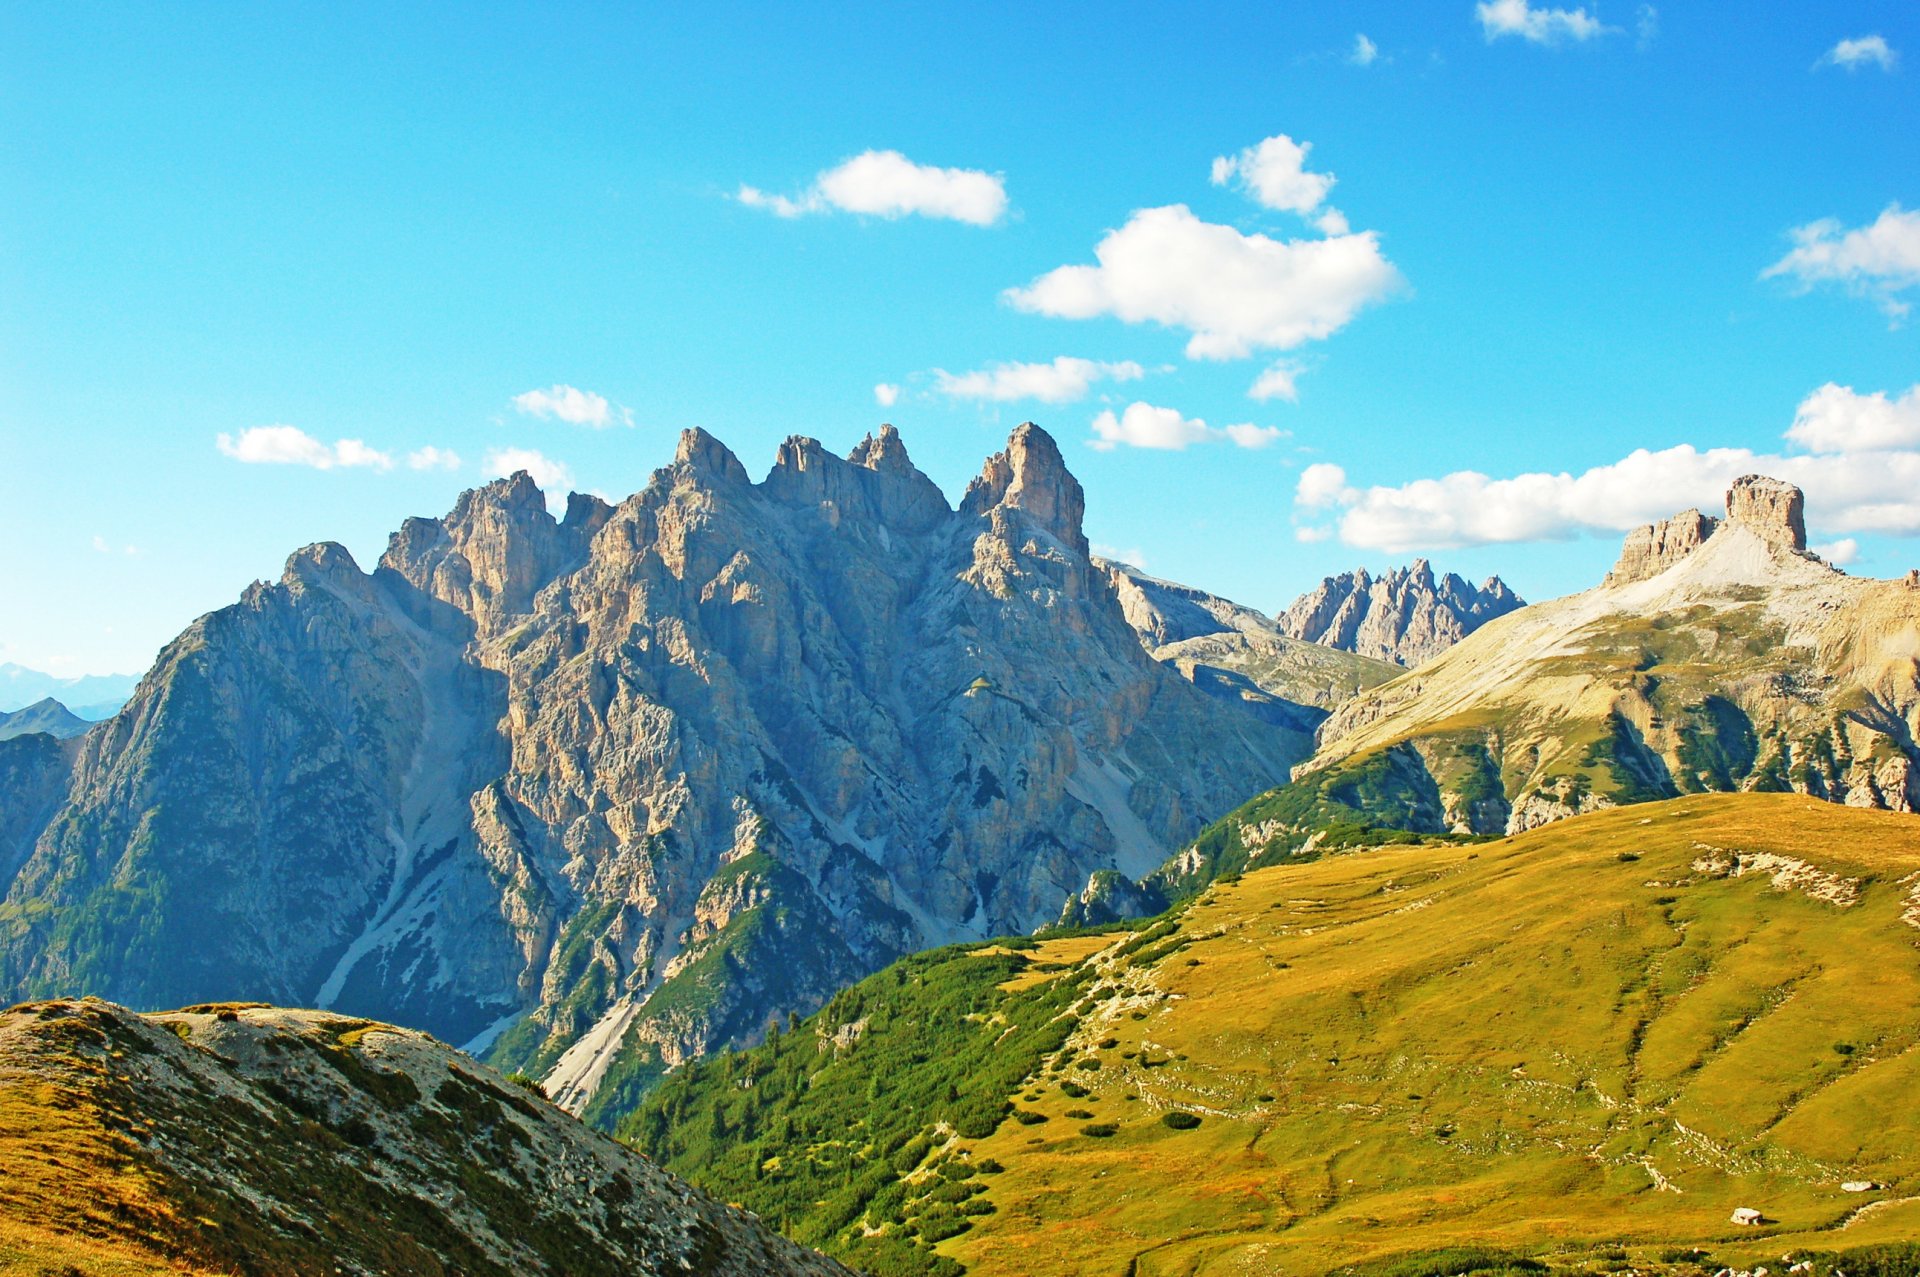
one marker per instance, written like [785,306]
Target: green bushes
[1099,1130]
[1179,1121]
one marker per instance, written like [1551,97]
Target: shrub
[1027,1117]
[1077,1114]
[1099,1130]
[1179,1121]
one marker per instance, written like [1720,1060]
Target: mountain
[1718,655]
[1405,616]
[1236,654]
[1581,1049]
[48,716]
[602,794]
[237,1139]
[92,696]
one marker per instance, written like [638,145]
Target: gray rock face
[1405,616]
[620,788]
[1652,549]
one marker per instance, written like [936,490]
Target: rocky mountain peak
[1031,476]
[1772,509]
[1404,615]
[320,563]
[707,459]
[1652,549]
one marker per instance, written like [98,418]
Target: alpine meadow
[967,641]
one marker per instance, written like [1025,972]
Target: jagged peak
[884,452]
[321,561]
[706,458]
[1030,475]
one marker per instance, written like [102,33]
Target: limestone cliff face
[607,791]
[1718,655]
[1405,616]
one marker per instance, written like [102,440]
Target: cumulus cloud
[553,476]
[886,394]
[574,406]
[1878,261]
[1500,18]
[1365,52]
[888,184]
[432,458]
[1274,172]
[1861,474]
[1277,382]
[1064,380]
[1142,425]
[1234,293]
[1839,419]
[1839,553]
[1865,51]
[292,446]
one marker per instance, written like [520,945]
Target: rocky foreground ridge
[253,1140]
[602,793]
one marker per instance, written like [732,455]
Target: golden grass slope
[1609,1032]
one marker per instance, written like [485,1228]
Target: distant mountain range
[603,794]
[1405,616]
[48,716]
[89,696]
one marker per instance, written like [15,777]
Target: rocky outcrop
[1652,549]
[1237,655]
[1717,656]
[1405,616]
[602,793]
[249,1139]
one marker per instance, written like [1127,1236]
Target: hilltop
[1585,1045]
[240,1139]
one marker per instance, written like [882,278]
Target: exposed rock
[1652,549]
[1715,657]
[1405,616]
[250,1139]
[1772,509]
[642,778]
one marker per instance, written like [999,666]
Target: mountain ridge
[1404,616]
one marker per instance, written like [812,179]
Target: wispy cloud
[888,184]
[432,458]
[572,405]
[291,446]
[1365,52]
[1863,51]
[1877,261]
[1064,380]
[1143,425]
[1518,18]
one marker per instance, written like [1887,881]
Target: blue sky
[1555,231]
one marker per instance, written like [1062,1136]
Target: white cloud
[1837,419]
[1064,380]
[1839,553]
[432,458]
[1132,558]
[1500,18]
[1876,261]
[1142,425]
[1277,382]
[574,406]
[1274,173]
[1235,293]
[1365,51]
[1862,475]
[886,394]
[1866,50]
[292,446]
[1646,27]
[553,477]
[888,184]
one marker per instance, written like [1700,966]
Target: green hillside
[1582,1047]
